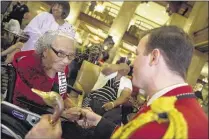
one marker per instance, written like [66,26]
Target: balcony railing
[107,15]
[140,25]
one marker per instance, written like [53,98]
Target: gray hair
[46,40]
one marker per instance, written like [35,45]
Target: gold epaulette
[162,110]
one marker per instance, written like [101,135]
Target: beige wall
[177,20]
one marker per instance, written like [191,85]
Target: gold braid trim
[177,124]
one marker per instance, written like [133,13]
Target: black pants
[114,115]
[72,130]
[125,111]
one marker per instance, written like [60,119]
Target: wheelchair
[17,121]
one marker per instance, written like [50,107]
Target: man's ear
[154,57]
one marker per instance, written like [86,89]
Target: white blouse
[102,80]
[40,24]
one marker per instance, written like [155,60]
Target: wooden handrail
[200,30]
[148,19]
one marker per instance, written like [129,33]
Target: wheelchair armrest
[8,84]
[37,108]
[24,116]
[74,89]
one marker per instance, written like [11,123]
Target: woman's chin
[60,69]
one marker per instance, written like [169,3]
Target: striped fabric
[105,94]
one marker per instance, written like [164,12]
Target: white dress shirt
[102,80]
[163,92]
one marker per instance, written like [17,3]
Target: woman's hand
[72,114]
[89,118]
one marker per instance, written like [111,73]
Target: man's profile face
[141,65]
[64,46]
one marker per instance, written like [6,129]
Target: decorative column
[120,25]
[75,9]
[198,19]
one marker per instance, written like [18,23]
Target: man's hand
[108,106]
[89,118]
[43,129]
[72,114]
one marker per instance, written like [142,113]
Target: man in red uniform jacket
[163,57]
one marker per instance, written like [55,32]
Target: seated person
[111,90]
[44,68]
[103,58]
[125,59]
[12,50]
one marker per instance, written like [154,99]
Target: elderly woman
[111,90]
[52,20]
[45,67]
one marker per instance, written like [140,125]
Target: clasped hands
[85,117]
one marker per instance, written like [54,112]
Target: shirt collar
[110,76]
[163,92]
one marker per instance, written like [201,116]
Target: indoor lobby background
[125,21]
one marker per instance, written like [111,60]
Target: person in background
[12,50]
[110,92]
[92,7]
[91,54]
[125,59]
[94,52]
[52,20]
[104,57]
[9,39]
[19,12]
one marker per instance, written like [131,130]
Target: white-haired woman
[44,67]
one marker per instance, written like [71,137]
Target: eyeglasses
[62,55]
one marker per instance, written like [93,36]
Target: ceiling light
[39,11]
[96,38]
[132,22]
[99,8]
[144,12]
[105,47]
[42,8]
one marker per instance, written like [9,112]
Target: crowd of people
[163,56]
